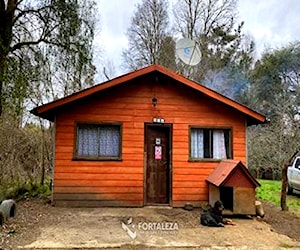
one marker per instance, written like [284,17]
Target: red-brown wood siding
[238,178]
[121,182]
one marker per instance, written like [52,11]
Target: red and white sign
[158,152]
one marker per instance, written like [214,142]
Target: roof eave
[47,111]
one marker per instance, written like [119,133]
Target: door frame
[170,127]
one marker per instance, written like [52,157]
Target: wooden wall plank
[98,176]
[66,160]
[96,169]
[190,171]
[103,190]
[181,177]
[98,196]
[189,184]
[97,183]
[130,104]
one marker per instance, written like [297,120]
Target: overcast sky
[273,23]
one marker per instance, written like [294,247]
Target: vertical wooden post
[283,204]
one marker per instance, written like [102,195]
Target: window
[98,141]
[210,143]
[297,164]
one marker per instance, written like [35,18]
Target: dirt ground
[39,225]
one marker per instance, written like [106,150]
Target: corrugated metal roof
[224,170]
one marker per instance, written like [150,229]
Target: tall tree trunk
[2,39]
[283,204]
[42,180]
[7,14]
[1,103]
[2,64]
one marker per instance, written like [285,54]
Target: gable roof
[225,170]
[48,110]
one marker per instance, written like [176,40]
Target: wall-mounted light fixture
[158,120]
[154,101]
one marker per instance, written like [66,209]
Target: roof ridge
[48,110]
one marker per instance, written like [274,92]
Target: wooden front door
[157,181]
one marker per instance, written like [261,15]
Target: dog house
[232,183]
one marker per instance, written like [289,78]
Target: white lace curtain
[197,143]
[98,141]
[87,141]
[219,147]
[109,141]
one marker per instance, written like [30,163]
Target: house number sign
[158,151]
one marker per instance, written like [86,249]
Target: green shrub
[25,190]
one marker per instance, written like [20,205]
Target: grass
[271,191]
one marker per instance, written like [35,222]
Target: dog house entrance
[226,196]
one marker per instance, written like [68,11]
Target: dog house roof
[226,170]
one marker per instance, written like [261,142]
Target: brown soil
[36,216]
[286,223]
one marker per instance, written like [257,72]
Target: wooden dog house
[232,183]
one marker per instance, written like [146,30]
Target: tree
[147,35]
[45,52]
[43,43]
[276,82]
[212,25]
[275,91]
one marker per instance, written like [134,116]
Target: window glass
[87,141]
[210,143]
[297,164]
[109,141]
[98,141]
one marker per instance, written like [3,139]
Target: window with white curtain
[98,141]
[210,143]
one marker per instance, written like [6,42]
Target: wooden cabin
[149,137]
[232,183]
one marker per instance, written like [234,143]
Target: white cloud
[273,23]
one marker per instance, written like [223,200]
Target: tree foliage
[148,36]
[196,18]
[212,24]
[25,154]
[43,43]
[275,91]
[276,82]
[45,53]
